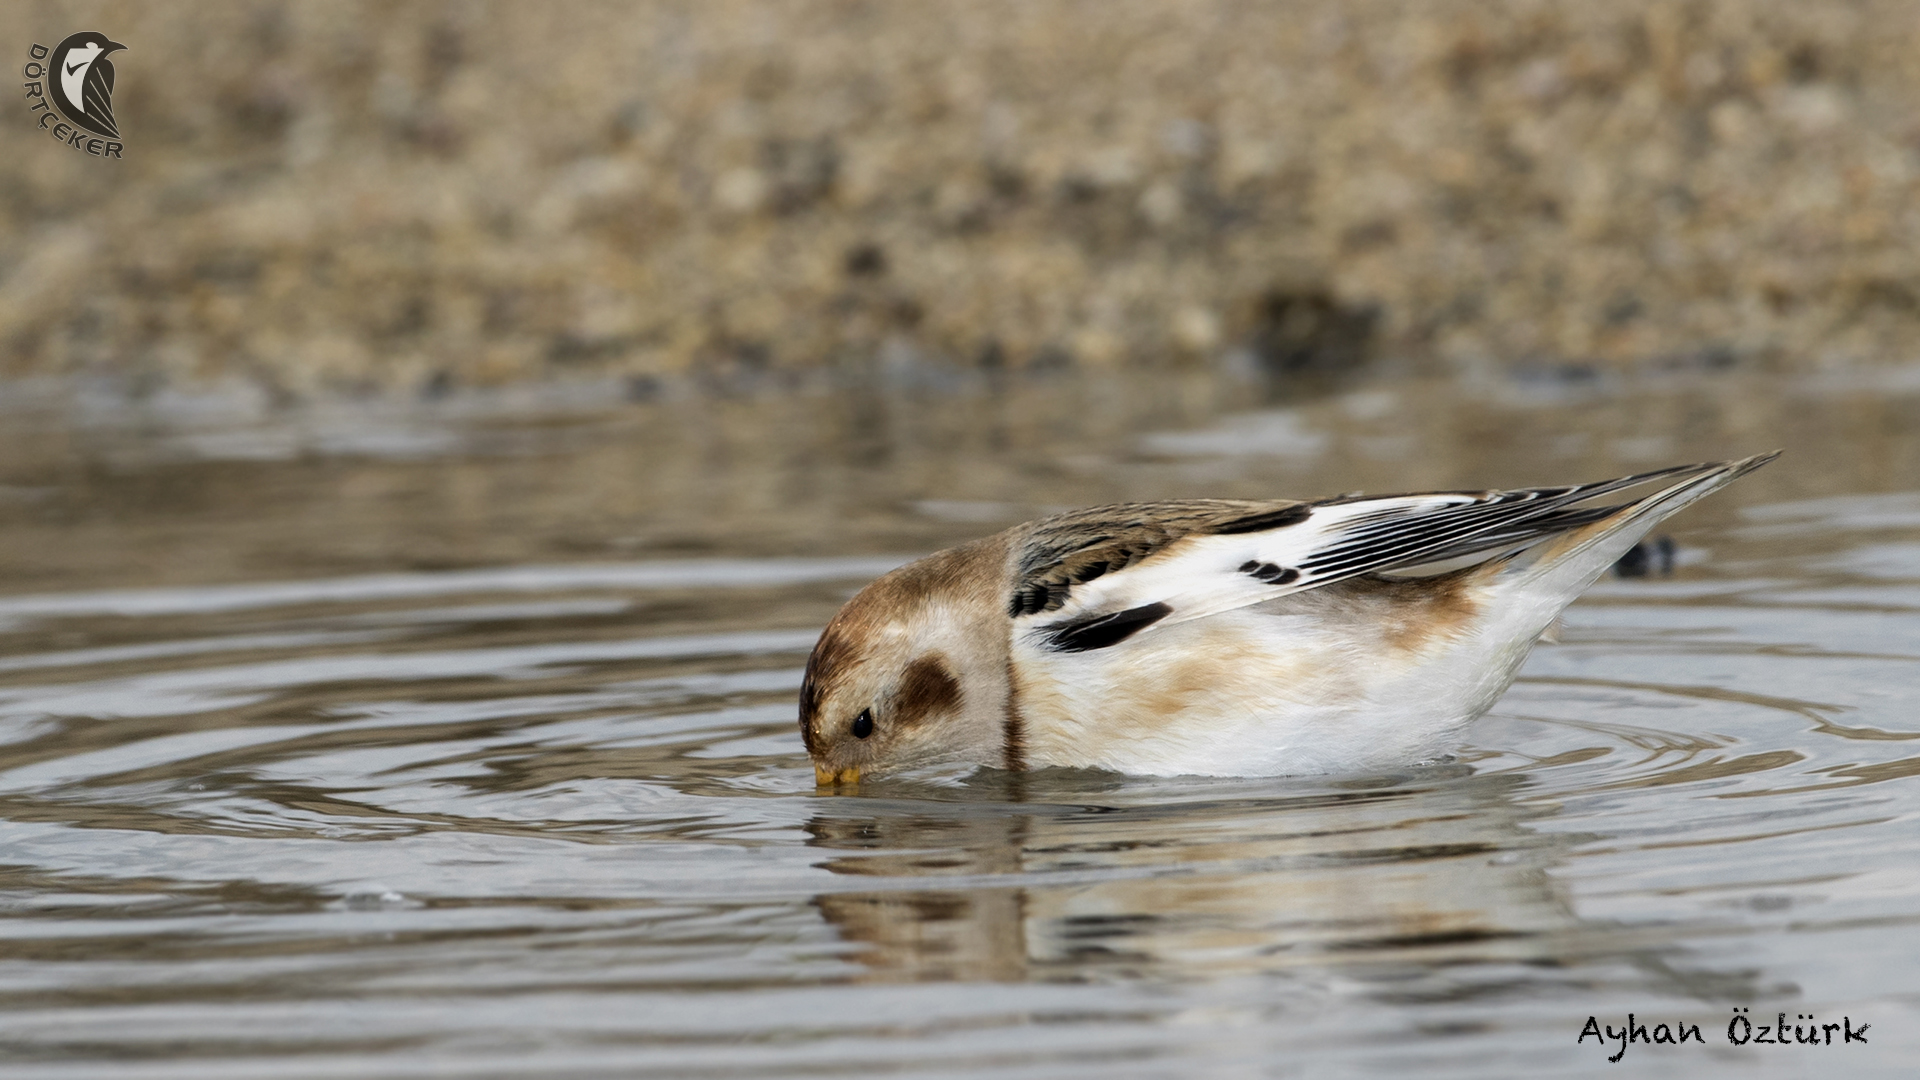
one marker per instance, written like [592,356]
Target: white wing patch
[1204,575]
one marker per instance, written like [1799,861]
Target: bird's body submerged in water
[1218,637]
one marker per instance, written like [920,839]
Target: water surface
[436,744]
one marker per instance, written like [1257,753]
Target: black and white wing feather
[1093,578]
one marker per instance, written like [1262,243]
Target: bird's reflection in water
[974,931]
[1056,879]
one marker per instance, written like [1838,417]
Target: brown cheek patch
[926,689]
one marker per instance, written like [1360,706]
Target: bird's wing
[1093,578]
[1062,553]
[96,96]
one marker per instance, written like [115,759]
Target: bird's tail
[1566,565]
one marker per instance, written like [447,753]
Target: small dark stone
[1622,309]
[1300,331]
[866,260]
[1648,558]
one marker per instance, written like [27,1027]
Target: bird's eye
[863,724]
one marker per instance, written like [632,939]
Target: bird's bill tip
[826,777]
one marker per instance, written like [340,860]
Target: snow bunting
[1218,637]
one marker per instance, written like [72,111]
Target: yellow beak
[848,775]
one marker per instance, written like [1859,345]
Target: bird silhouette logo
[80,81]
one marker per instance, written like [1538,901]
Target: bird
[1218,637]
[83,87]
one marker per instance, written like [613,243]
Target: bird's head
[98,44]
[87,47]
[912,671]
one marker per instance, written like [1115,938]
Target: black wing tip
[1735,466]
[1741,467]
[1100,632]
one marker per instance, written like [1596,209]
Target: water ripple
[416,838]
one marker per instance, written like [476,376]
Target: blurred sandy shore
[329,198]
